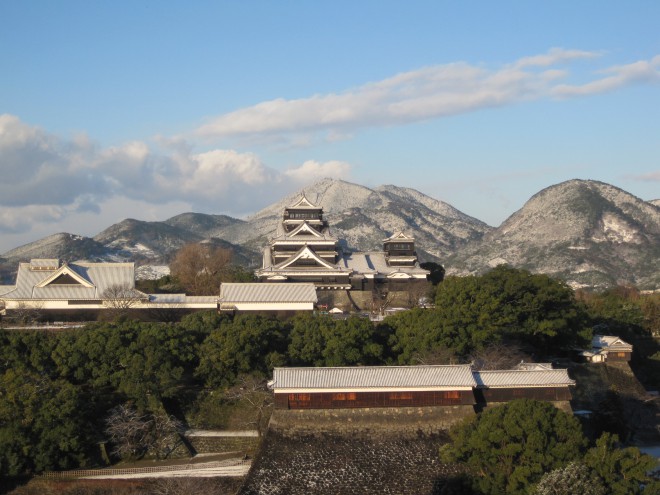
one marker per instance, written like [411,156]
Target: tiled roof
[374,377]
[267,292]
[100,275]
[181,299]
[6,288]
[609,342]
[522,378]
[375,261]
[399,236]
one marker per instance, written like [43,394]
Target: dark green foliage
[437,272]
[323,341]
[249,343]
[515,304]
[624,470]
[27,350]
[418,332]
[43,424]
[508,448]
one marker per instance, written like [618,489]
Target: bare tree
[134,434]
[420,293]
[499,356]
[27,312]
[438,355]
[120,298]
[381,298]
[254,392]
[200,268]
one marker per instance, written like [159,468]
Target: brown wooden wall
[484,396]
[618,356]
[328,400]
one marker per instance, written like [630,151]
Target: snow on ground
[228,468]
[151,272]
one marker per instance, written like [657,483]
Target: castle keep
[304,250]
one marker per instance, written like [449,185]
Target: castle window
[344,396]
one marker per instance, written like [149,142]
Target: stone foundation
[370,422]
[358,300]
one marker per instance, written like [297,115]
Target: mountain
[68,247]
[585,232]
[364,217]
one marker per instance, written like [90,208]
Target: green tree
[248,344]
[323,341]
[509,448]
[624,471]
[42,424]
[416,334]
[437,272]
[155,362]
[27,350]
[514,304]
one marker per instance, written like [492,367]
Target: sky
[147,109]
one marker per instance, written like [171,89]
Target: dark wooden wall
[484,396]
[327,400]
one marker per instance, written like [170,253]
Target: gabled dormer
[305,229]
[65,275]
[303,203]
[305,258]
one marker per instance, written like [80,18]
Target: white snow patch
[151,272]
[618,230]
[496,262]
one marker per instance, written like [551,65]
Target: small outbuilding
[506,385]
[606,348]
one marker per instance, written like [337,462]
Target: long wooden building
[413,386]
[372,386]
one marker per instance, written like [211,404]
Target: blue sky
[120,109]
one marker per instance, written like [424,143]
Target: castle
[304,250]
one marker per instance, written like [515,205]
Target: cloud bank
[419,95]
[46,178]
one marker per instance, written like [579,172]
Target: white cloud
[47,179]
[21,218]
[649,177]
[624,75]
[426,93]
[311,171]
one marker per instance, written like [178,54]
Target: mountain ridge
[586,232]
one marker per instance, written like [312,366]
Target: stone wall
[369,422]
[211,445]
[213,442]
[357,300]
[562,405]
[336,464]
